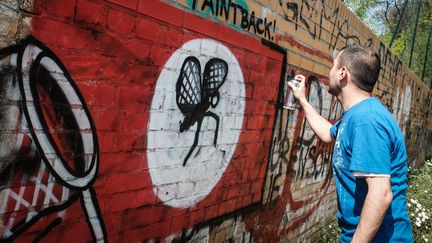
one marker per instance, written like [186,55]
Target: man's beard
[334,90]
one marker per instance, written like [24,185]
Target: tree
[394,21]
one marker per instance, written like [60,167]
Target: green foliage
[361,8]
[420,201]
[330,232]
[382,16]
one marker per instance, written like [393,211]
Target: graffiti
[314,156]
[391,65]
[177,183]
[276,168]
[249,21]
[314,159]
[310,160]
[229,229]
[49,98]
[194,97]
[402,108]
[312,15]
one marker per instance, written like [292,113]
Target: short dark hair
[363,63]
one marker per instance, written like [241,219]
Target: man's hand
[318,123]
[300,91]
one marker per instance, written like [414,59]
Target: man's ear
[343,76]
[343,73]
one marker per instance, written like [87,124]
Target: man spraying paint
[369,157]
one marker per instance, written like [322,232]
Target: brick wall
[127,120]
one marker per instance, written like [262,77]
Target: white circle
[184,186]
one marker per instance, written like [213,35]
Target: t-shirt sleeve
[334,128]
[370,150]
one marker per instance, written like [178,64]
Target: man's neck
[350,99]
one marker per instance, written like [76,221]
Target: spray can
[289,99]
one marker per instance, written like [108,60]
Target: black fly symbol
[195,95]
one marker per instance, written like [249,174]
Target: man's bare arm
[378,199]
[319,124]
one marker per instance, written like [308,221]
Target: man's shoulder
[371,112]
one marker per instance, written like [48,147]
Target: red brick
[250,136]
[138,48]
[174,38]
[91,13]
[145,197]
[229,179]
[273,66]
[191,36]
[40,224]
[75,213]
[256,76]
[29,237]
[225,34]
[109,45]
[121,182]
[120,22]
[136,121]
[122,201]
[254,45]
[129,142]
[253,150]
[233,192]
[255,122]
[256,186]
[160,55]
[150,30]
[106,141]
[60,34]
[196,217]
[59,8]
[210,212]
[121,162]
[98,95]
[76,231]
[126,3]
[240,55]
[153,231]
[227,206]
[162,11]
[114,70]
[142,217]
[251,63]
[249,89]
[212,199]
[257,196]
[247,200]
[178,223]
[86,66]
[140,74]
[112,223]
[135,99]
[257,108]
[201,25]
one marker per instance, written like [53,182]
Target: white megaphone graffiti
[28,58]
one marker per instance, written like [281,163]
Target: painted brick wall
[133,120]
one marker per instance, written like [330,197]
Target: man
[369,157]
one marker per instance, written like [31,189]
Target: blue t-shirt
[369,140]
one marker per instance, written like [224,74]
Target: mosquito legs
[194,143]
[216,117]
